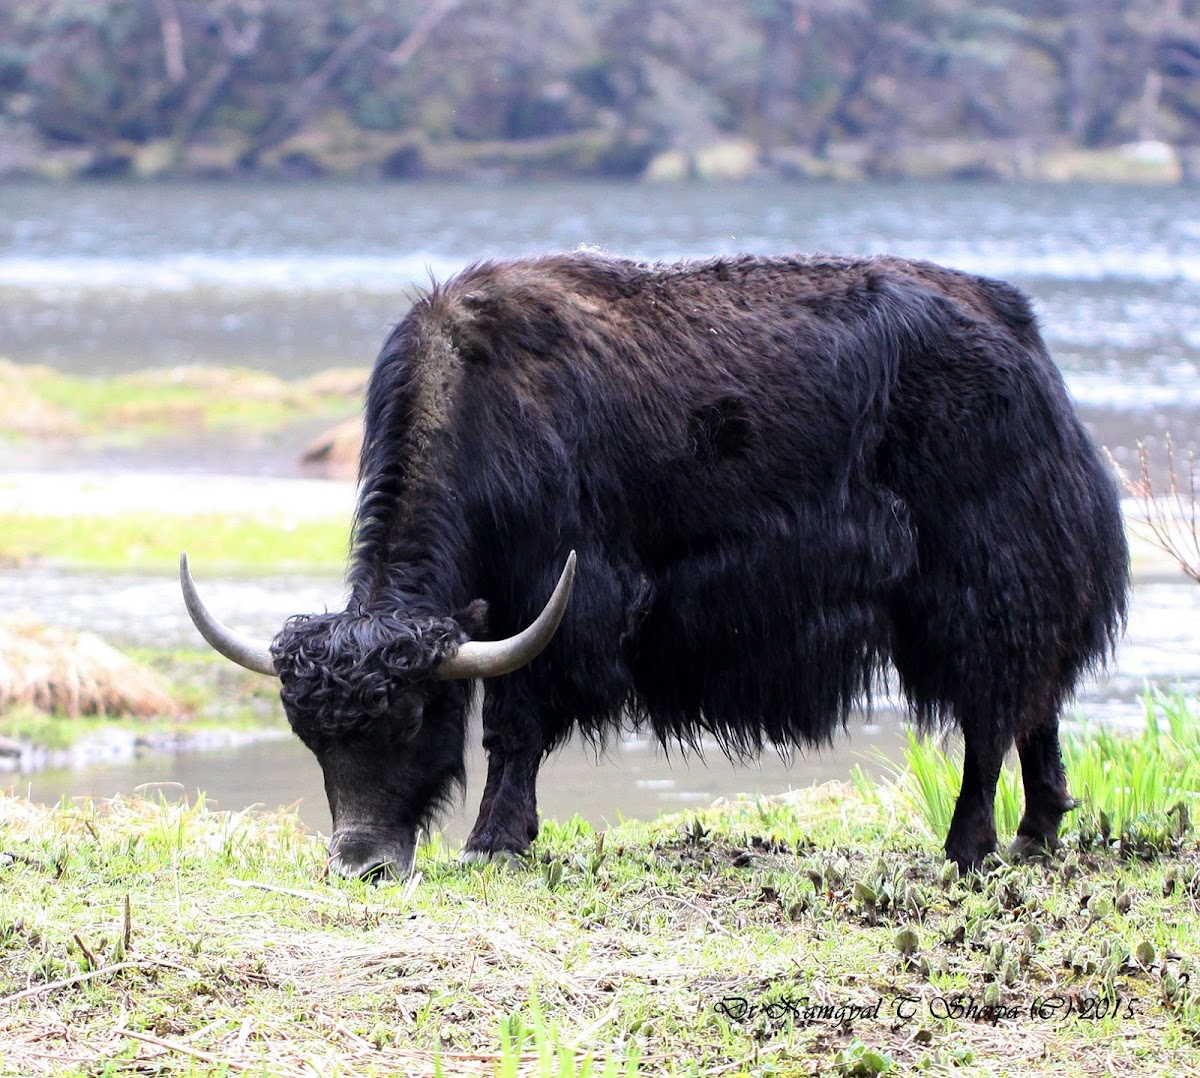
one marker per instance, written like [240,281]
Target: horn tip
[567,576]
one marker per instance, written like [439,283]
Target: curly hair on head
[342,672]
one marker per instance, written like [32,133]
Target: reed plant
[1138,789]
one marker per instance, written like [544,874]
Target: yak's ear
[473,618]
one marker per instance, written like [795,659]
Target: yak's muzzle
[356,854]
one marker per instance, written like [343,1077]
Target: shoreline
[21,756]
[319,156]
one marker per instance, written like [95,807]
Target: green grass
[811,933]
[55,732]
[132,407]
[1132,789]
[220,542]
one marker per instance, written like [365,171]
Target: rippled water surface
[296,278]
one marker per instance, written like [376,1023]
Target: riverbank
[331,152]
[117,742]
[816,932]
[207,705]
[40,404]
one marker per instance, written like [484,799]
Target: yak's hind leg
[512,735]
[948,671]
[944,676]
[938,682]
[972,833]
[1047,799]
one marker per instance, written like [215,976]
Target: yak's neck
[415,554]
[408,539]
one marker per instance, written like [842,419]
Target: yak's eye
[408,711]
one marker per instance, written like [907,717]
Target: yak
[786,480]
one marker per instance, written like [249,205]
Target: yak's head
[381,700]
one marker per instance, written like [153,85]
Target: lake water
[293,279]
[97,278]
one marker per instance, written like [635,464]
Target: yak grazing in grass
[780,475]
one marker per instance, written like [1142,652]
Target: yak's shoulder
[530,305]
[544,281]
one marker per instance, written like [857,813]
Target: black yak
[781,476]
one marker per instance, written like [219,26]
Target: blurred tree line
[409,87]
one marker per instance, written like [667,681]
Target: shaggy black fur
[780,475]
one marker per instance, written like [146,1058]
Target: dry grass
[23,411]
[287,984]
[63,672]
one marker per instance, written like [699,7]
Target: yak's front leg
[973,828]
[512,735]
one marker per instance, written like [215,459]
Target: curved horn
[491,658]
[251,654]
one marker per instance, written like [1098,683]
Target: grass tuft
[59,671]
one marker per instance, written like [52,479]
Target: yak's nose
[355,855]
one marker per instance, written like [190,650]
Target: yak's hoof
[1030,848]
[511,861]
[974,858]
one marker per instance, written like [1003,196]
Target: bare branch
[172,35]
[309,94]
[419,34]
[1170,522]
